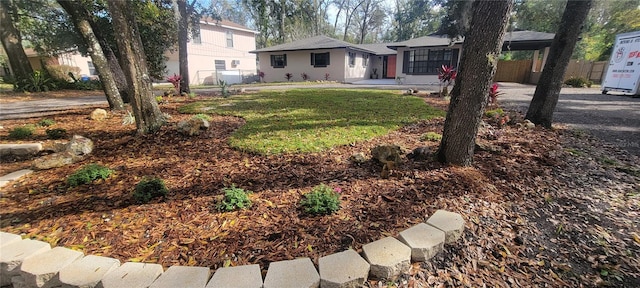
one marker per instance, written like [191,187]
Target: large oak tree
[149,119]
[12,43]
[80,17]
[548,89]
[480,52]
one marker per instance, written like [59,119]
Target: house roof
[226,24]
[379,48]
[313,43]
[515,40]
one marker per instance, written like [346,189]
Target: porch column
[544,57]
[534,66]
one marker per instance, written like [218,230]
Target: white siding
[299,62]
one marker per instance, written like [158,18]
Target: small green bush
[46,122]
[57,133]
[321,200]
[431,136]
[148,189]
[494,113]
[88,174]
[202,116]
[578,82]
[20,133]
[159,99]
[234,198]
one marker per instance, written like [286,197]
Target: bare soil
[542,208]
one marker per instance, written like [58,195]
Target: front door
[390,69]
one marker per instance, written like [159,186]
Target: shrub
[493,113]
[261,74]
[149,188]
[494,93]
[224,88]
[61,72]
[578,82]
[446,75]
[39,81]
[288,76]
[159,99]
[128,119]
[304,76]
[234,198]
[327,76]
[57,133]
[46,122]
[321,200]
[175,80]
[88,174]
[431,136]
[202,116]
[22,132]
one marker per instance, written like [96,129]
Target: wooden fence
[519,71]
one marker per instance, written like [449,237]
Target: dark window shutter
[405,62]
[285,59]
[273,60]
[454,57]
[312,62]
[328,58]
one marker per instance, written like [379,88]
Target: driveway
[615,119]
[612,118]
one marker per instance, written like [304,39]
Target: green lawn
[310,120]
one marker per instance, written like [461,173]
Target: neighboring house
[219,51]
[323,58]
[70,58]
[415,61]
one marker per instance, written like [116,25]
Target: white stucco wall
[213,47]
[357,71]
[77,60]
[299,62]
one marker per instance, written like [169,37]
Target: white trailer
[623,74]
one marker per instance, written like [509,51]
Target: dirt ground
[542,208]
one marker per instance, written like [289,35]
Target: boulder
[420,153]
[55,146]
[358,158]
[387,153]
[192,126]
[98,114]
[55,160]
[80,145]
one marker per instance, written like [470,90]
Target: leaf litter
[543,210]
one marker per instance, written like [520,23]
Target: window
[428,61]
[365,59]
[352,59]
[195,37]
[320,59]
[279,61]
[221,65]
[92,69]
[229,39]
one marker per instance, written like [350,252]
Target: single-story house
[70,58]
[415,61]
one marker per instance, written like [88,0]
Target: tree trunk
[114,63]
[182,21]
[545,98]
[480,52]
[149,119]
[12,44]
[80,17]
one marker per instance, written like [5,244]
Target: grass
[311,120]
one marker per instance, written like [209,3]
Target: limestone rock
[528,124]
[98,114]
[55,146]
[80,145]
[387,153]
[420,153]
[358,158]
[192,126]
[55,160]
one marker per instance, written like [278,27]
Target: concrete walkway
[35,108]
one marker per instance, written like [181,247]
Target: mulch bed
[542,208]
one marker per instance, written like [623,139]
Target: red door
[391,66]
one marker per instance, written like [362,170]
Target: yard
[542,207]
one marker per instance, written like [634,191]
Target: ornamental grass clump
[20,133]
[322,200]
[150,188]
[88,174]
[234,198]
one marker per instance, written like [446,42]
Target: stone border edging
[31,263]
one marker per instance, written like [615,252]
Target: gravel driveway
[612,118]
